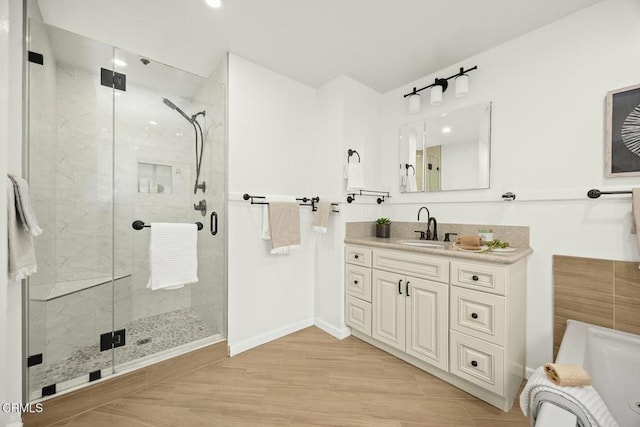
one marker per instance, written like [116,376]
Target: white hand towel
[323,209]
[23,205]
[266,229]
[354,174]
[22,258]
[412,185]
[173,255]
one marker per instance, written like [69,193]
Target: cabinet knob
[356,256]
[474,278]
[355,282]
[473,315]
[474,363]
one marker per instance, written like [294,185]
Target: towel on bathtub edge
[584,402]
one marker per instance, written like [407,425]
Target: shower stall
[115,138]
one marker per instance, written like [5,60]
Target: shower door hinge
[112,79]
[33,360]
[113,339]
[36,58]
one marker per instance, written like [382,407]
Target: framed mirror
[450,151]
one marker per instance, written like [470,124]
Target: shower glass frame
[124,141]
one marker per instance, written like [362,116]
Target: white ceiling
[381,43]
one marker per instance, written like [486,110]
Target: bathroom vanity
[457,315]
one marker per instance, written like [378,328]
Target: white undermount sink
[421,243]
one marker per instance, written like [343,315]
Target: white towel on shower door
[173,255]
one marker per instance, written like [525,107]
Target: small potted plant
[383,227]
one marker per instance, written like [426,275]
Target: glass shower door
[70,170]
[168,129]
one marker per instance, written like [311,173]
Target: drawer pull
[474,363]
[355,282]
[474,278]
[473,315]
[356,256]
[400,286]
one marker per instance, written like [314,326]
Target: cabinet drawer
[358,314]
[416,265]
[482,277]
[358,281]
[478,314]
[358,255]
[477,361]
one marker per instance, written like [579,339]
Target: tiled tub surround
[457,315]
[597,291]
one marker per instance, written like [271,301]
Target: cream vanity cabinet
[459,319]
[409,312]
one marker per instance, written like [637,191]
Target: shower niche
[99,158]
[153,178]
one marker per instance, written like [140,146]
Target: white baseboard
[235,349]
[340,333]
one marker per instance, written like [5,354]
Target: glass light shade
[414,103]
[436,95]
[462,85]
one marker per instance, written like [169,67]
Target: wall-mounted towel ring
[407,166]
[351,152]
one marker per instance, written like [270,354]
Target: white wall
[10,132]
[271,134]
[348,116]
[547,89]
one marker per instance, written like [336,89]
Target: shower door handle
[214,223]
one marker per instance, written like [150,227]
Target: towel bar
[351,152]
[594,194]
[139,225]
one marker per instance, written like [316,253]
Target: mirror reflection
[450,151]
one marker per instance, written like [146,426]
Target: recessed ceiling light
[446,129]
[214,3]
[444,114]
[119,62]
[151,122]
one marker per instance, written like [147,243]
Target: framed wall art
[622,136]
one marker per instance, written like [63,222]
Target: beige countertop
[448,250]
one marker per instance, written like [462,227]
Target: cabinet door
[427,321]
[388,304]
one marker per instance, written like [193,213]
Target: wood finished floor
[306,378]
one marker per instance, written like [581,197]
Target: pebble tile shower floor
[167,330]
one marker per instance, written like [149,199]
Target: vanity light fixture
[438,87]
[414,102]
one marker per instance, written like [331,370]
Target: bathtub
[612,358]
